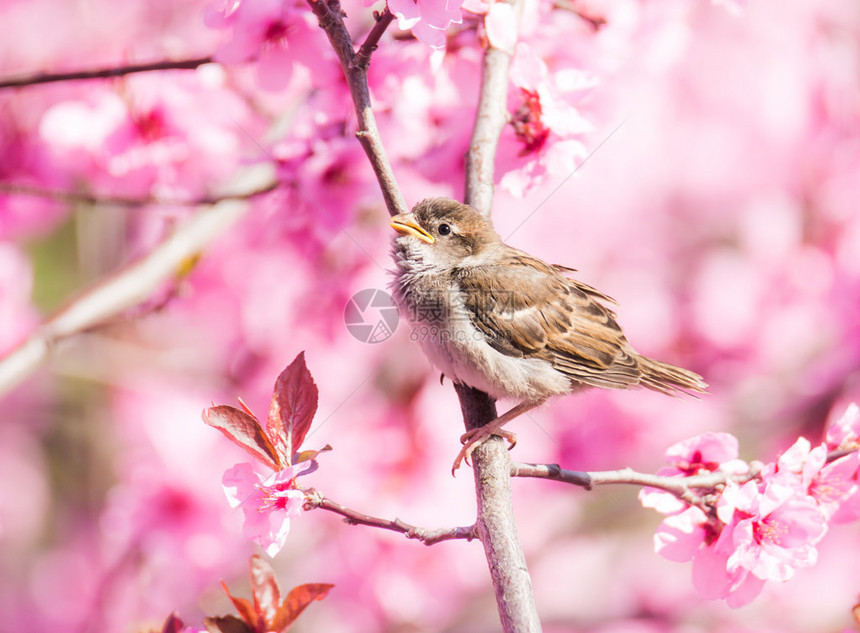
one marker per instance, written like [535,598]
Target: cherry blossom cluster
[428,21]
[545,136]
[547,125]
[765,521]
[276,35]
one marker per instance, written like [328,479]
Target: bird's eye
[444,229]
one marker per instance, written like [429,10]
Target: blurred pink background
[719,206]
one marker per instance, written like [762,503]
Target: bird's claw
[474,438]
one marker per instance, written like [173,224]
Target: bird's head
[443,233]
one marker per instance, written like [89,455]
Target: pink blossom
[689,536]
[274,33]
[772,532]
[501,25]
[713,580]
[680,537]
[767,535]
[268,502]
[845,432]
[830,484]
[705,453]
[837,491]
[555,90]
[428,19]
[477,6]
[702,454]
[801,459]
[546,124]
[150,140]
[763,531]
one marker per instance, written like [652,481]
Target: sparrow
[499,320]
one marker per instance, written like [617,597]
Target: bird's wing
[592,292]
[526,308]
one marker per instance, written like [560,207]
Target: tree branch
[75,197]
[682,487]
[354,67]
[127,287]
[688,489]
[495,523]
[554,472]
[491,462]
[490,120]
[103,73]
[427,536]
[362,57]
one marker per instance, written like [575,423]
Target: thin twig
[427,536]
[691,490]
[554,472]
[676,485]
[362,57]
[128,287]
[680,486]
[354,67]
[76,197]
[102,73]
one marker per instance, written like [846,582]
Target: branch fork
[495,525]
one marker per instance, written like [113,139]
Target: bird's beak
[406,224]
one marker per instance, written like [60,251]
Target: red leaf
[173,624]
[264,586]
[243,429]
[296,602]
[246,409]
[245,608]
[226,624]
[294,404]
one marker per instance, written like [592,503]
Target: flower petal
[240,483]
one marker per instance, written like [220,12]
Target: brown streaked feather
[589,290]
[560,320]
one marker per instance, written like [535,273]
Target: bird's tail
[669,379]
